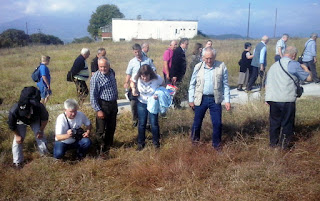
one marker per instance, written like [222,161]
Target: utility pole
[27,31]
[248,22]
[275,24]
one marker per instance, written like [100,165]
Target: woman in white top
[146,82]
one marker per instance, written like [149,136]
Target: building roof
[154,20]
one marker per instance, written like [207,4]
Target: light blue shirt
[282,45]
[311,50]
[208,86]
[262,55]
[134,65]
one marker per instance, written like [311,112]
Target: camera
[77,133]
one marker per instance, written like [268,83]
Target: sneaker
[17,165]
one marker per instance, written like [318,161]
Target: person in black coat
[245,65]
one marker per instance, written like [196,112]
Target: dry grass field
[246,169]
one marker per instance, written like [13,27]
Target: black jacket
[39,113]
[78,65]
[94,65]
[179,64]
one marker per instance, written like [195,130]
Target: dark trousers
[82,147]
[107,126]
[82,90]
[143,114]
[312,67]
[253,75]
[281,119]
[133,104]
[215,114]
[166,81]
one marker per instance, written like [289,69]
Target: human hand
[100,114]
[174,80]
[126,86]
[19,139]
[155,97]
[191,105]
[86,134]
[314,60]
[39,134]
[69,133]
[227,106]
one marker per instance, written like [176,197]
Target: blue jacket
[162,103]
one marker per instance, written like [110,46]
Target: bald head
[265,39]
[291,52]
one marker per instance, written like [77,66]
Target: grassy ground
[247,169]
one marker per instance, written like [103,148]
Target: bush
[85,39]
[13,38]
[45,39]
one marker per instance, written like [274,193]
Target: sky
[295,17]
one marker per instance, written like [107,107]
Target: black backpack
[29,95]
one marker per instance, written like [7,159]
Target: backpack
[36,74]
[29,95]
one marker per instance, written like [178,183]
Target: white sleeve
[61,125]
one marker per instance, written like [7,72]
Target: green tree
[45,39]
[13,38]
[103,16]
[85,39]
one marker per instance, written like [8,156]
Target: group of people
[252,65]
[208,88]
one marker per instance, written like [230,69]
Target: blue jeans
[82,147]
[153,119]
[215,114]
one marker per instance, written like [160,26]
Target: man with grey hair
[132,69]
[178,68]
[281,96]
[80,74]
[281,46]
[310,56]
[208,88]
[103,98]
[69,133]
[167,61]
[94,63]
[258,63]
[145,49]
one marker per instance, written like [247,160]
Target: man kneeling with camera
[69,134]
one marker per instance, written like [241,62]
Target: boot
[240,87]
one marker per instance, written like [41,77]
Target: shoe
[239,89]
[148,127]
[17,165]
[140,147]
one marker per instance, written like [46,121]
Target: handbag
[299,89]
[70,76]
[131,96]
[301,56]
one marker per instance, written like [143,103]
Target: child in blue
[44,83]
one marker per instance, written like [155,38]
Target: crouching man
[28,111]
[69,134]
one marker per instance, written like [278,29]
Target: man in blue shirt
[310,56]
[281,96]
[208,88]
[132,69]
[45,79]
[103,98]
[258,63]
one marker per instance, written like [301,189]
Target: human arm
[249,56]
[192,86]
[45,79]
[280,51]
[166,69]
[87,132]
[127,81]
[226,88]
[262,58]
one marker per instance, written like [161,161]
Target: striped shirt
[104,87]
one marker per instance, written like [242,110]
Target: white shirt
[147,89]
[62,125]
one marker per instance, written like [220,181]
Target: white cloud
[33,6]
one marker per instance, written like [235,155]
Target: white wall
[144,29]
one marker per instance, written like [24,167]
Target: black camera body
[77,133]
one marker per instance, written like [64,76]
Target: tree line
[18,38]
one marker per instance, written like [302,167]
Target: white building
[126,30]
